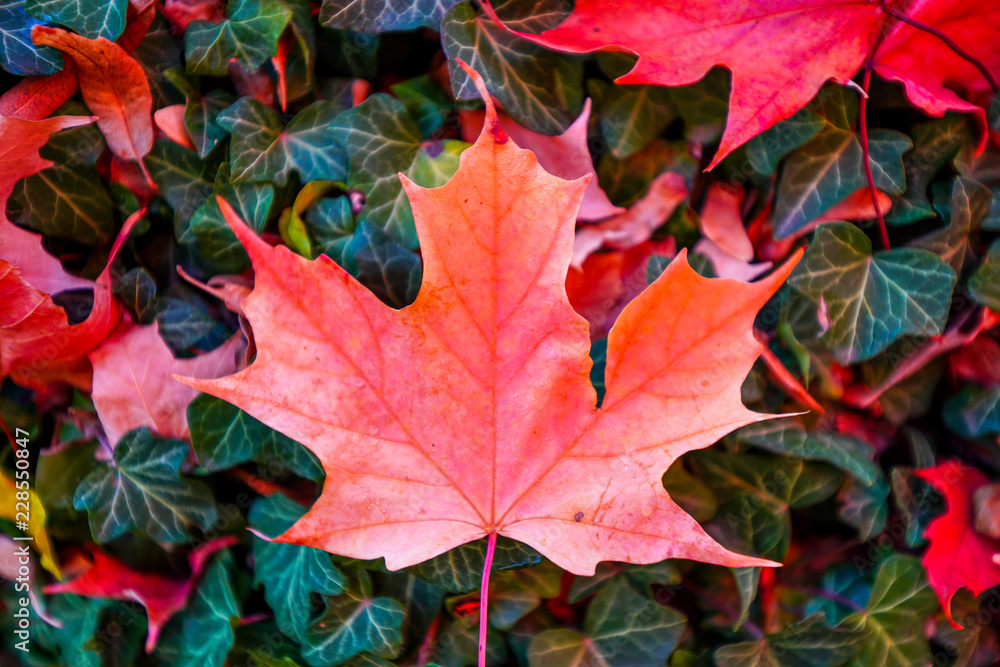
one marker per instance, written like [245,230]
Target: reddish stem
[920,25]
[484,594]
[863,123]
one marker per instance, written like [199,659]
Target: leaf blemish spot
[578,517]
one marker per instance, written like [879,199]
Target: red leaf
[958,556]
[779,51]
[162,596]
[113,85]
[134,385]
[471,412]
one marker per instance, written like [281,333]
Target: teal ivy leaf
[263,149]
[385,267]
[71,644]
[290,573]
[515,594]
[203,635]
[460,570]
[250,35]
[806,643]
[973,412]
[756,494]
[200,117]
[829,168]
[67,199]
[375,16]
[427,102]
[540,89]
[18,53]
[353,623]
[984,283]
[639,577]
[968,205]
[851,455]
[381,140]
[622,629]
[850,584]
[90,18]
[629,117]
[763,153]
[223,436]
[186,325]
[893,621]
[865,506]
[141,491]
[935,143]
[872,299]
[182,178]
[330,226]
[207,234]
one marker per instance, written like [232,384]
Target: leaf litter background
[879,501]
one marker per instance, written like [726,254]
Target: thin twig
[919,25]
[863,123]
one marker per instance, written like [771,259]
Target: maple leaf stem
[863,126]
[484,594]
[919,25]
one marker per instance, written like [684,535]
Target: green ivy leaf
[182,178]
[763,153]
[290,573]
[68,199]
[385,267]
[621,629]
[18,53]
[71,644]
[756,494]
[829,168]
[515,594]
[223,436]
[894,619]
[690,493]
[141,491]
[250,35]
[639,577]
[851,455]
[984,283]
[203,635]
[704,106]
[428,103]
[807,643]
[540,89]
[865,506]
[461,569]
[381,140]
[935,143]
[968,205]
[872,299]
[263,149]
[137,291]
[629,117]
[200,117]
[353,623]
[375,16]
[973,412]
[90,18]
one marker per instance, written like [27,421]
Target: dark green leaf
[90,18]
[973,412]
[200,118]
[290,573]
[184,179]
[461,569]
[968,205]
[784,436]
[829,168]
[18,54]
[141,491]
[383,16]
[622,629]
[426,101]
[808,643]
[763,152]
[629,117]
[203,635]
[137,292]
[872,299]
[249,34]
[353,623]
[984,283]
[223,436]
[935,143]
[540,89]
[894,619]
[865,506]
[263,150]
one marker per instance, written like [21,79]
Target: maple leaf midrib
[297,297]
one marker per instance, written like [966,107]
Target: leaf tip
[491,123]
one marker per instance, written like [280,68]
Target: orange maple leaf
[470,413]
